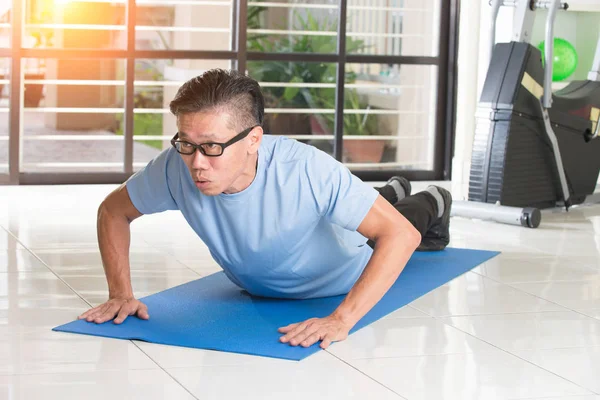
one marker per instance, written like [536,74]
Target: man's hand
[119,307]
[327,330]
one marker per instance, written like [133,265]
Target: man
[281,218]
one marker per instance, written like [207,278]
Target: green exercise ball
[565,59]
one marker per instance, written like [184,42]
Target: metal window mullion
[14,123]
[234,27]
[338,146]
[441,144]
[129,89]
[242,34]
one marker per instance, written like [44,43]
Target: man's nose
[199,160]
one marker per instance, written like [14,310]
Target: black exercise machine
[532,149]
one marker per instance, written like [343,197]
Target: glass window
[184,25]
[4,113]
[75,24]
[299,99]
[73,115]
[393,27]
[293,26]
[389,116]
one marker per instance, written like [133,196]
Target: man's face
[227,173]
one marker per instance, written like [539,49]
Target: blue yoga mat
[212,313]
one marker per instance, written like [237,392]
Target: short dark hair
[219,90]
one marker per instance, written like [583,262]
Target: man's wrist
[120,294]
[345,317]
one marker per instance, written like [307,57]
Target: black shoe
[438,236]
[405,183]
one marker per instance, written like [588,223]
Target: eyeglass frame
[198,147]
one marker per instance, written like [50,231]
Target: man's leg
[428,211]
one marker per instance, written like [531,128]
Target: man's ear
[255,139]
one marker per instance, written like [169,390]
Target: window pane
[75,24]
[184,25]
[299,99]
[393,27]
[4,115]
[389,120]
[5,12]
[156,83]
[293,26]
[73,115]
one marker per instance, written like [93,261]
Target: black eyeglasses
[209,149]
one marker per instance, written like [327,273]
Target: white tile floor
[525,325]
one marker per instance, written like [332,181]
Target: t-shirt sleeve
[340,196]
[149,188]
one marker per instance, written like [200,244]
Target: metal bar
[549,53]
[83,178]
[146,54]
[594,74]
[523,25]
[451,87]
[528,217]
[440,143]
[182,2]
[338,144]
[242,26]
[536,4]
[129,89]
[391,59]
[181,29]
[384,175]
[14,123]
[90,178]
[234,27]
[350,58]
[495,10]
[557,157]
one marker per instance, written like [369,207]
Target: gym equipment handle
[535,4]
[496,4]
[549,53]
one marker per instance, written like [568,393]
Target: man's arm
[115,214]
[395,241]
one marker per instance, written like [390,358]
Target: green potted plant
[296,72]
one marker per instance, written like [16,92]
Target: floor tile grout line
[517,356]
[470,351]
[164,370]
[51,270]
[176,260]
[538,297]
[365,374]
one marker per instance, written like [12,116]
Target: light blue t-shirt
[290,234]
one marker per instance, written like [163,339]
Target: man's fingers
[286,329]
[310,340]
[303,335]
[88,312]
[125,311]
[108,314]
[294,332]
[326,341]
[142,311]
[101,309]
